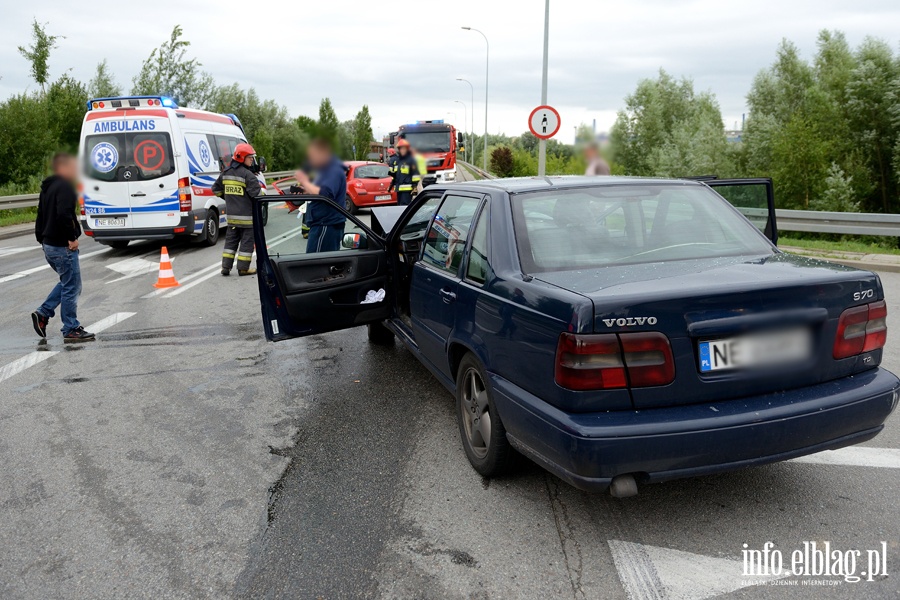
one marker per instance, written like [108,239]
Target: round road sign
[544,122]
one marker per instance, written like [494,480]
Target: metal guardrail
[21,201]
[31,200]
[475,169]
[788,220]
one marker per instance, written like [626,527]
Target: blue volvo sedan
[616,331]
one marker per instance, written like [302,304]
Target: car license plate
[109,222]
[756,350]
[380,198]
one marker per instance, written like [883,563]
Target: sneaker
[226,272]
[79,335]
[40,323]
[246,272]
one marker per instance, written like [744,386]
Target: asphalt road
[182,456]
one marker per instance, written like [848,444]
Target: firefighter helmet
[242,151]
[402,144]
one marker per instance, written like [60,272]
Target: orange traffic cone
[166,275]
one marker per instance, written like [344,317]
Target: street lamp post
[487,65]
[466,123]
[472,90]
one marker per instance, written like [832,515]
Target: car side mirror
[262,164]
[355,241]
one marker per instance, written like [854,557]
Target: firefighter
[405,173]
[238,184]
[391,160]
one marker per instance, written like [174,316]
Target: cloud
[403,63]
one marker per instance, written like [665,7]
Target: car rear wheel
[349,205]
[211,228]
[482,432]
[381,335]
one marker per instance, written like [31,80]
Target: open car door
[754,197]
[305,293]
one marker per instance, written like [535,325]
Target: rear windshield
[138,156]
[371,172]
[628,224]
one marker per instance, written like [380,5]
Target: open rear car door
[754,197]
[308,293]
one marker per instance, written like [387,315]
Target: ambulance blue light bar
[131,102]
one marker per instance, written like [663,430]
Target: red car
[367,185]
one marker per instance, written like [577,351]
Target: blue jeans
[325,238]
[66,292]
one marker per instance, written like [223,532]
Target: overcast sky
[403,58]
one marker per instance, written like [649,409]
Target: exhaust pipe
[623,486]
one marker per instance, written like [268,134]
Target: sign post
[542,146]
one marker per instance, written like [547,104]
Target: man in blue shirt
[326,223]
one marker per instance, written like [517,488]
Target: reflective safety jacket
[406,173]
[238,185]
[422,165]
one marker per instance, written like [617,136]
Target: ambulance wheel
[348,204]
[380,335]
[118,244]
[211,228]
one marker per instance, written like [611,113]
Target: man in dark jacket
[57,230]
[326,223]
[238,185]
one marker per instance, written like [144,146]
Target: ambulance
[148,169]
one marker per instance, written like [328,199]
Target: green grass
[17,216]
[886,245]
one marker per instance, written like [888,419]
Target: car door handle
[138,194]
[447,296]
[335,270]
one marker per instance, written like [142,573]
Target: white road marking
[20,364]
[162,291]
[650,572]
[28,272]
[109,321]
[169,293]
[132,267]
[184,287]
[10,251]
[33,358]
[855,456]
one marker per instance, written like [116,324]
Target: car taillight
[861,329]
[184,194]
[589,362]
[648,359]
[610,361]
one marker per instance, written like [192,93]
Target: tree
[668,130]
[26,140]
[103,85]
[837,195]
[362,132]
[38,53]
[167,71]
[328,126]
[502,161]
[65,106]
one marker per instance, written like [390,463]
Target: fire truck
[437,141]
